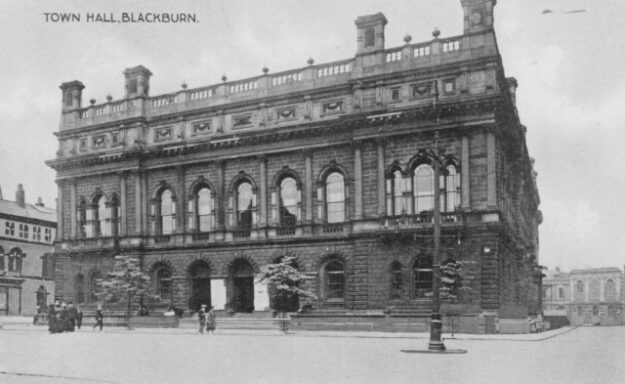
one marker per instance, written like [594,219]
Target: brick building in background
[332,163]
[27,234]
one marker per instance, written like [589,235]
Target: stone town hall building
[332,163]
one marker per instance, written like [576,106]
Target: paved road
[585,355]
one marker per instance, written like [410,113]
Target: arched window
[397,281]
[94,286]
[164,286]
[205,208]
[41,296]
[245,205]
[423,276]
[561,292]
[334,273]
[167,213]
[610,290]
[102,218]
[594,289]
[335,198]
[451,187]
[289,213]
[79,289]
[423,188]
[580,287]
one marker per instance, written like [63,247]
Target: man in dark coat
[99,317]
[202,317]
[78,316]
[72,315]
[64,326]
[51,318]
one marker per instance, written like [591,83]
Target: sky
[570,67]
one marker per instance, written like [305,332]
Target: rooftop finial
[407,38]
[265,70]
[436,33]
[224,78]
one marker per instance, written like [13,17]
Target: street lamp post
[436,322]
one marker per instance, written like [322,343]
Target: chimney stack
[512,87]
[478,15]
[370,33]
[20,196]
[39,202]
[72,95]
[137,81]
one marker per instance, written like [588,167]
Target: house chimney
[137,81]
[478,15]
[19,196]
[72,95]
[39,202]
[370,30]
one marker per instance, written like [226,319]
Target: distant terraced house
[27,234]
[333,163]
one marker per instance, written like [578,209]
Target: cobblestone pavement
[582,355]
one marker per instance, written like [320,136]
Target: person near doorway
[72,315]
[211,322]
[78,316]
[202,317]
[99,317]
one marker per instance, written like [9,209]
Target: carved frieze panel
[98,142]
[202,127]
[289,113]
[332,107]
[242,121]
[421,90]
[163,134]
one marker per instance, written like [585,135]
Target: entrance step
[262,320]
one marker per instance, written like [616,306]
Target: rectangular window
[369,37]
[449,86]
[23,231]
[9,228]
[395,94]
[36,233]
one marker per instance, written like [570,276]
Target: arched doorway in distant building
[241,284]
[200,284]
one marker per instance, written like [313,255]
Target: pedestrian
[78,316]
[99,317]
[202,317]
[64,318]
[211,322]
[51,318]
[72,314]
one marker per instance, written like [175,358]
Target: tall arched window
[164,285]
[397,281]
[423,188]
[335,198]
[15,260]
[423,276]
[334,273]
[102,218]
[289,214]
[204,209]
[451,187]
[79,289]
[610,290]
[167,212]
[245,205]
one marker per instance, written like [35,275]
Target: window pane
[398,192]
[423,276]
[335,198]
[424,188]
[167,210]
[245,205]
[204,209]
[288,202]
[335,277]
[452,189]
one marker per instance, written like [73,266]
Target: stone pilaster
[138,203]
[123,216]
[72,210]
[491,179]
[465,169]
[381,179]
[222,199]
[59,211]
[309,189]
[262,219]
[358,208]
[181,204]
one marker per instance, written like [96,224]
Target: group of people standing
[207,319]
[63,317]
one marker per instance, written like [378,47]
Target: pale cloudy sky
[570,68]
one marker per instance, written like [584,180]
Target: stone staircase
[261,320]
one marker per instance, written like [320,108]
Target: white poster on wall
[261,296]
[218,293]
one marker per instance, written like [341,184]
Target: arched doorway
[242,283]
[200,282]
